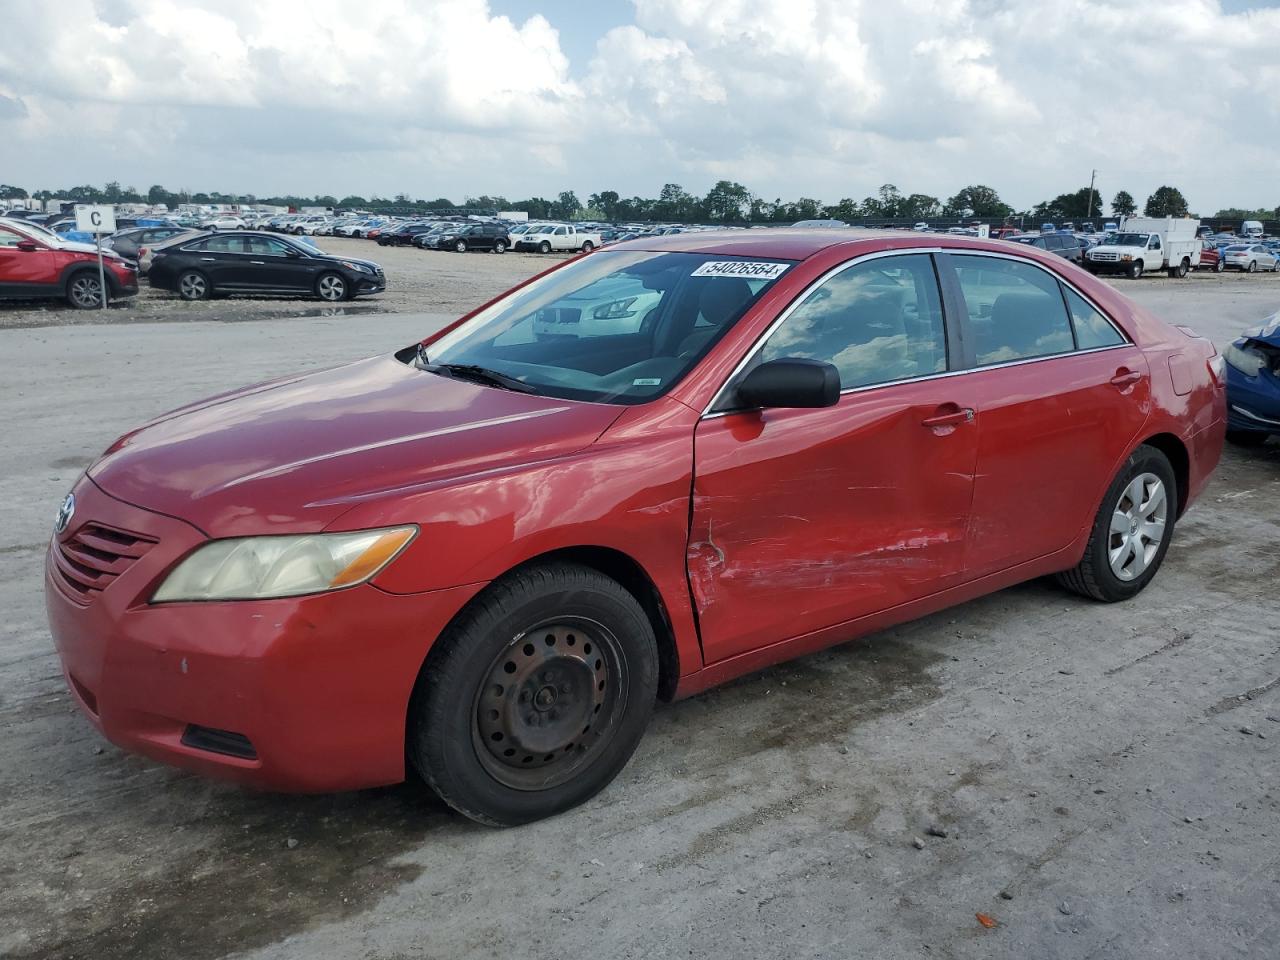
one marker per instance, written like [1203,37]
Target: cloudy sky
[819,98]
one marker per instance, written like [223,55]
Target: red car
[647,471]
[35,264]
[1211,257]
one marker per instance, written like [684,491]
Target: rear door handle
[259,263]
[951,418]
[1125,377]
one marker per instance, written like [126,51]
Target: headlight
[1126,257]
[615,311]
[358,267]
[1248,362]
[257,568]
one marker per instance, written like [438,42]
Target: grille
[92,558]
[1104,256]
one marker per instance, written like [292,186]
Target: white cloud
[824,98]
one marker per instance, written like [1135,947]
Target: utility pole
[1089,210]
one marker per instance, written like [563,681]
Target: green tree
[538,208]
[8,192]
[1166,202]
[352,202]
[607,202]
[566,206]
[977,200]
[727,202]
[921,206]
[1123,205]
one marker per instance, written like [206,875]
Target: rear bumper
[318,687]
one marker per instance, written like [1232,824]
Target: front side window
[9,239]
[266,247]
[616,327]
[1015,309]
[877,322]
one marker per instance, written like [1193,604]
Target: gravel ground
[1106,777]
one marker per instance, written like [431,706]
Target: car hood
[293,455]
[1268,332]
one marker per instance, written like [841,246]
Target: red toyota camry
[646,471]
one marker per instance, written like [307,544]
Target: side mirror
[28,246]
[791,382]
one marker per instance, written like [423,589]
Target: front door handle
[207,259]
[259,263]
[1125,377]
[948,415]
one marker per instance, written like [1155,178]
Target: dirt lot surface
[1107,777]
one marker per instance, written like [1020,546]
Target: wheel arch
[1179,457]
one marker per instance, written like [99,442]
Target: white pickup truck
[1148,243]
[561,237]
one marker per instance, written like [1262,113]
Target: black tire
[1183,268]
[460,246]
[587,246]
[558,630]
[194,285]
[500,247]
[544,247]
[84,290]
[1172,273]
[1219,266]
[1246,438]
[1135,270]
[333,287]
[1093,576]
[1253,265]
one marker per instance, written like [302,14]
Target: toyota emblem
[65,513]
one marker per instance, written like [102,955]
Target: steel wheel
[331,287]
[193,286]
[85,292]
[1137,526]
[549,703]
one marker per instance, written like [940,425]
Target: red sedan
[644,472]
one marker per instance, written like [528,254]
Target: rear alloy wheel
[331,287]
[461,246]
[1219,266]
[536,696]
[84,292]
[1131,531]
[544,247]
[1135,270]
[500,247]
[1253,265]
[587,246]
[193,285]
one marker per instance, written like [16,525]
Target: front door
[805,519]
[24,271]
[272,267]
[1062,394]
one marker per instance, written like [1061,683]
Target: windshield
[36,229]
[1130,240]
[617,327]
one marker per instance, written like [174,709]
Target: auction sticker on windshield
[741,268]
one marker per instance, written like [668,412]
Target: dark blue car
[1253,384]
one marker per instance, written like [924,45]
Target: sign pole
[102,274]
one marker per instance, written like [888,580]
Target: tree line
[726,202]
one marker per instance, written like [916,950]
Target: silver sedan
[1250,257]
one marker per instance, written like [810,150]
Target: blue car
[1253,385]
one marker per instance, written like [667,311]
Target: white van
[1251,229]
[1148,243]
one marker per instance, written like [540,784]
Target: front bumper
[318,687]
[1253,403]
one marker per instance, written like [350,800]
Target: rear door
[805,519]
[221,258]
[1061,393]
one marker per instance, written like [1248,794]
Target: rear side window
[877,322]
[1015,310]
[1093,330]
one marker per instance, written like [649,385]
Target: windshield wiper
[476,373]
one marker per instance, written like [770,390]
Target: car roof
[800,244]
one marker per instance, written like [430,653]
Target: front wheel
[1253,265]
[1219,266]
[331,287]
[461,246]
[1131,530]
[544,247]
[194,285]
[536,696]
[1135,270]
[499,247]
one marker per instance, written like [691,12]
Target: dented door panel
[803,519]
